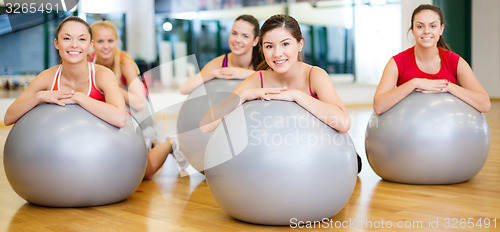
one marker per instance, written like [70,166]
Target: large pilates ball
[192,141]
[274,163]
[428,139]
[67,157]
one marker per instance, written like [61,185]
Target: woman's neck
[291,78]
[108,63]
[75,71]
[242,61]
[423,53]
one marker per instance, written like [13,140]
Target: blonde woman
[107,53]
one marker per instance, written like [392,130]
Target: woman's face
[242,39]
[104,43]
[281,49]
[427,28]
[73,42]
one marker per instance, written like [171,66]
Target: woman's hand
[430,86]
[55,97]
[285,95]
[74,99]
[260,93]
[232,73]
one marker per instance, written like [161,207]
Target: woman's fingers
[274,90]
[431,85]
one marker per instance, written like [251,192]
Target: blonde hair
[117,59]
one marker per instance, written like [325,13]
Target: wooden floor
[173,203]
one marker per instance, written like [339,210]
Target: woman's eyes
[81,39]
[102,41]
[284,45]
[421,26]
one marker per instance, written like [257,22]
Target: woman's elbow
[207,126]
[344,125]
[485,107]
[343,130]
[121,121]
[9,118]
[7,121]
[377,108]
[206,129]
[139,105]
[183,90]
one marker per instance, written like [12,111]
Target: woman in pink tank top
[428,67]
[240,63]
[77,83]
[285,77]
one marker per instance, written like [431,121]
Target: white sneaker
[185,169]
[189,170]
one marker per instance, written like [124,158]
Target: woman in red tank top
[240,63]
[107,53]
[133,91]
[74,81]
[428,67]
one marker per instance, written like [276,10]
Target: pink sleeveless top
[310,90]
[224,62]
[93,92]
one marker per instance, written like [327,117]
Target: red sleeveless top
[408,69]
[93,92]
[92,59]
[123,80]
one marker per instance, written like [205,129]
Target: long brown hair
[279,21]
[256,56]
[441,43]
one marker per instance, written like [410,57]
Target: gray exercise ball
[192,141]
[428,139]
[67,157]
[274,163]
